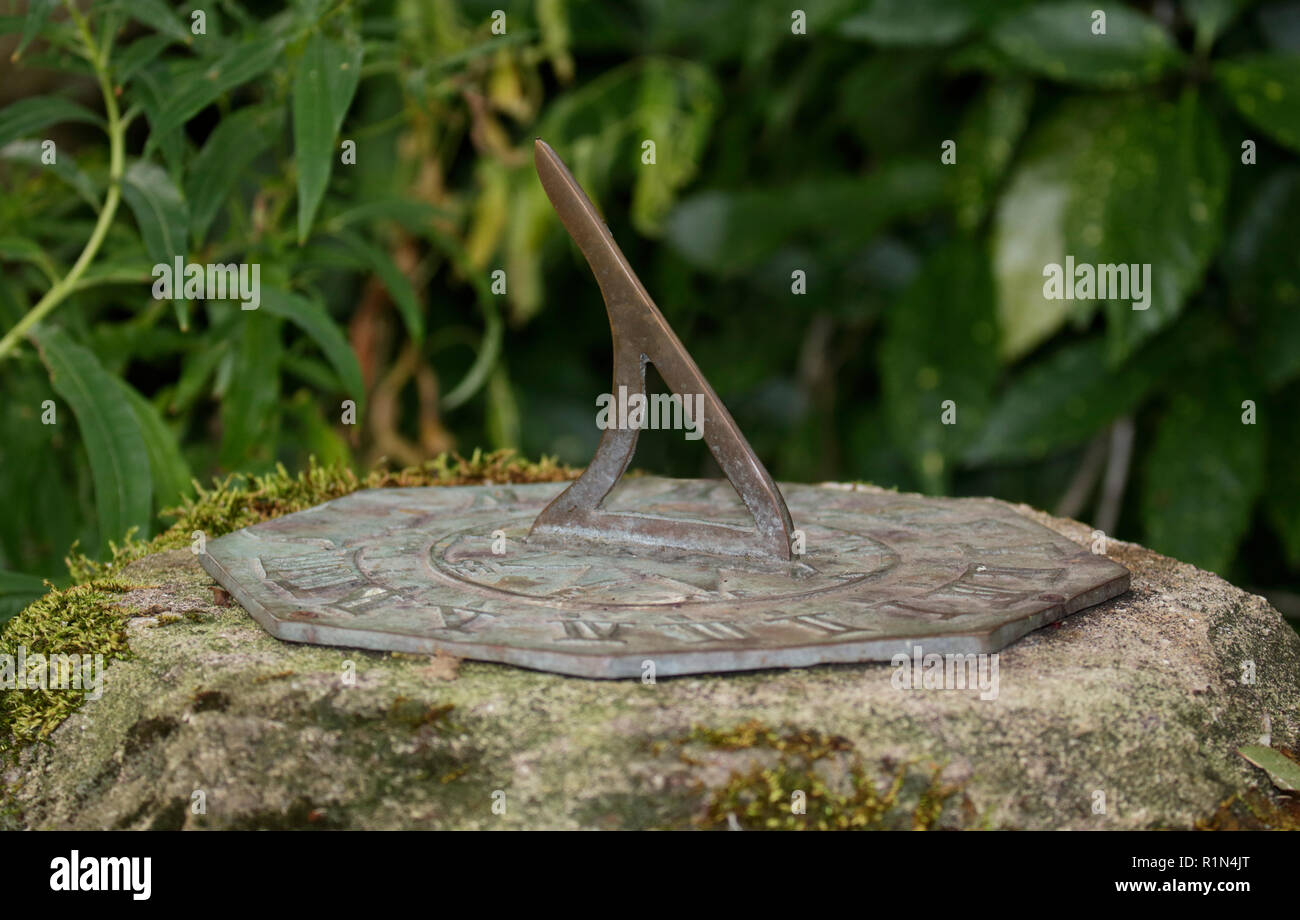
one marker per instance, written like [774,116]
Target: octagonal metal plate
[417,570]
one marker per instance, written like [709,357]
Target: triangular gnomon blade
[642,336]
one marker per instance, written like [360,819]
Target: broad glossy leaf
[1057,41]
[1059,402]
[27,116]
[1109,182]
[322,92]
[922,22]
[234,144]
[1282,483]
[171,474]
[730,232]
[114,441]
[1029,227]
[160,210]
[1202,474]
[1150,190]
[990,131]
[940,345]
[199,84]
[317,323]
[1265,88]
[1264,274]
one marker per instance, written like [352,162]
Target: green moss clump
[762,797]
[85,619]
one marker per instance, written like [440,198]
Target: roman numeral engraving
[363,599]
[309,573]
[457,619]
[576,630]
[817,622]
[714,631]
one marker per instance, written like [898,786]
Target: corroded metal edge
[607,664]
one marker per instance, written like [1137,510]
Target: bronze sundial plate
[417,570]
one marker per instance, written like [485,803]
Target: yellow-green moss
[762,796]
[87,618]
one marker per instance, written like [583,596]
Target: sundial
[599,576]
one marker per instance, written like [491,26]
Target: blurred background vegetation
[793,137]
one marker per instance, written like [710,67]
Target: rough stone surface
[1141,698]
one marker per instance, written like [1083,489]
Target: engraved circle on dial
[582,575]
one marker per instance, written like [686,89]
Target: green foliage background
[774,152]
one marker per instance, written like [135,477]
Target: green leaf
[322,92]
[159,16]
[1263,272]
[1108,182]
[1265,88]
[234,144]
[1029,227]
[731,232]
[16,592]
[1202,475]
[20,249]
[940,344]
[989,133]
[119,460]
[250,414]
[27,116]
[316,322]
[397,284]
[199,84]
[160,210]
[1058,402]
[1211,17]
[1150,190]
[64,166]
[171,474]
[922,22]
[676,108]
[38,13]
[1057,40]
[1282,482]
[411,214]
[140,53]
[1282,770]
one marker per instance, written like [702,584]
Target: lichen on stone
[817,781]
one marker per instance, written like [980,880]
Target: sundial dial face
[596,578]
[418,570]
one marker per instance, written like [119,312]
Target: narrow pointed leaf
[114,441]
[322,91]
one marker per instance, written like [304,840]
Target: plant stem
[59,291]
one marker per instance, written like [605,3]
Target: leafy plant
[373,160]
